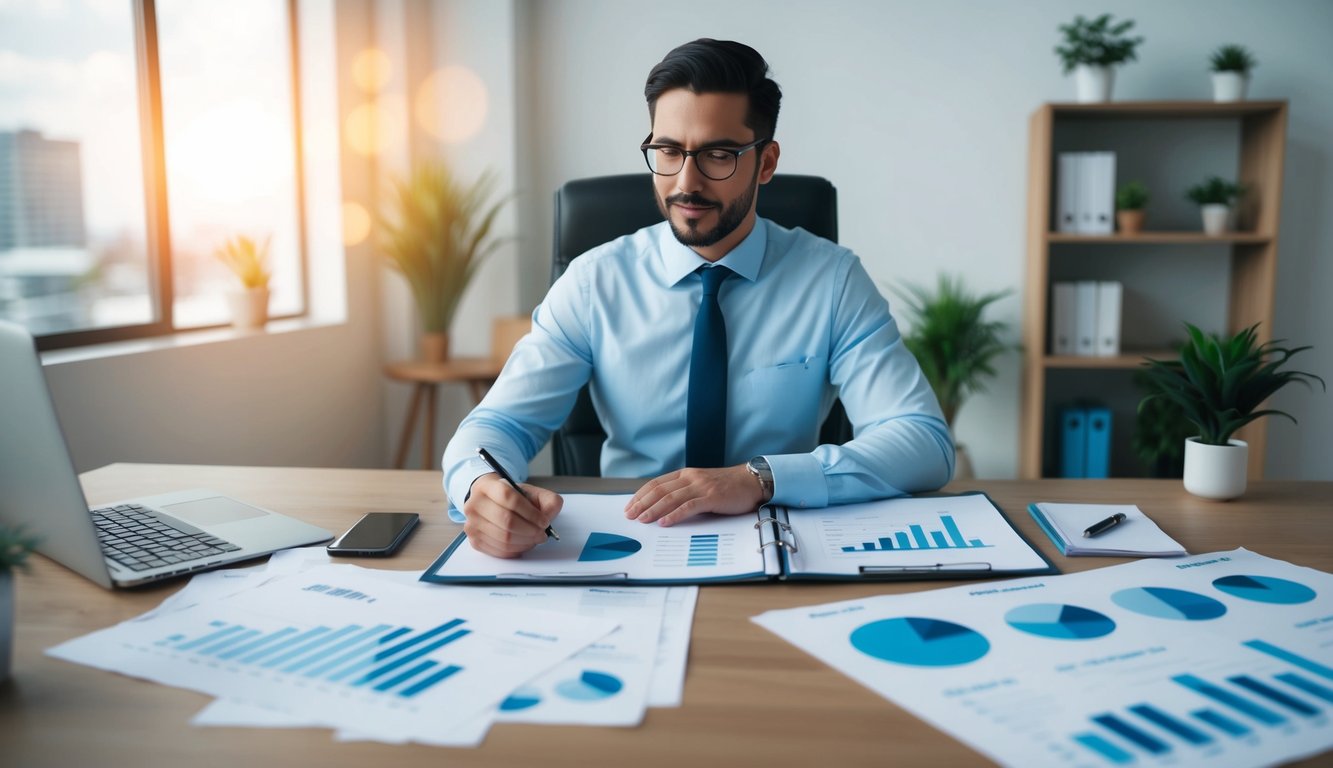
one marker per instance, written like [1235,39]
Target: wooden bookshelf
[1248,267]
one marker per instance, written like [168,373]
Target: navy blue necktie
[706,418]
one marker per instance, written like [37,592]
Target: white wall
[918,114]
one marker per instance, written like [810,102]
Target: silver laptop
[130,542]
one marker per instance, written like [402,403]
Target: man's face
[712,217]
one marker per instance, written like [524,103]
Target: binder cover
[1073,442]
[1097,456]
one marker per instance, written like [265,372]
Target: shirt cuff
[460,483]
[798,481]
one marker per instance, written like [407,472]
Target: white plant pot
[1216,218]
[249,308]
[1093,83]
[1230,86]
[1216,471]
[6,623]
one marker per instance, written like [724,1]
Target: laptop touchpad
[214,511]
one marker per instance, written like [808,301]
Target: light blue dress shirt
[805,325]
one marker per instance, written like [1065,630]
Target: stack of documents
[1137,536]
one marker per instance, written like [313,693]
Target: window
[136,138]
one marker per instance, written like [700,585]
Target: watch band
[763,473]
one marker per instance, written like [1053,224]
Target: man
[800,324]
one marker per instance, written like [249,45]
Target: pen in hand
[500,470]
[1098,528]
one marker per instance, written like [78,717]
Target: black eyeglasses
[717,163]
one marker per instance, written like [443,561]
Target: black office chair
[590,212]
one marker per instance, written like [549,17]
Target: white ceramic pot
[1230,86]
[1093,83]
[6,623]
[1216,471]
[249,308]
[1216,218]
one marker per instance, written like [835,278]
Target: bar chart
[382,658]
[916,537]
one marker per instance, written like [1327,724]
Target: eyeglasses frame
[736,152]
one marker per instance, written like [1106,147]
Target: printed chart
[873,538]
[1219,659]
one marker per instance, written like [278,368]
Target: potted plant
[1160,431]
[1130,200]
[249,262]
[1215,198]
[954,344]
[1231,65]
[1219,385]
[436,232]
[1091,49]
[15,546]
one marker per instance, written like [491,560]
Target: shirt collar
[679,261]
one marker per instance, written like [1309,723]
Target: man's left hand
[680,495]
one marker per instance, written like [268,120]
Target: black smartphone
[378,534]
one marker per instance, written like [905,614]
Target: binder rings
[955,536]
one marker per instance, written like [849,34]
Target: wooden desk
[751,699]
[477,372]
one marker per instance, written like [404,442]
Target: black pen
[1103,526]
[499,470]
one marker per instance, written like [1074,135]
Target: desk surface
[750,697]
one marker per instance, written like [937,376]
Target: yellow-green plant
[437,231]
[247,259]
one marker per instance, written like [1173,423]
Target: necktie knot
[712,278]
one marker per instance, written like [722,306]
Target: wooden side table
[478,373]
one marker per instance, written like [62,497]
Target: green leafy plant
[15,546]
[951,340]
[1160,431]
[1133,196]
[437,232]
[1232,58]
[1097,42]
[1215,191]
[247,260]
[1219,384]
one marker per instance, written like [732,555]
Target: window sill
[182,339]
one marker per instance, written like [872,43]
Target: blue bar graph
[1309,686]
[703,549]
[949,538]
[1221,722]
[1104,748]
[388,657]
[1142,738]
[1229,699]
[1309,665]
[1168,723]
[1274,695]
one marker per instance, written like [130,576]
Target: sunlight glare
[451,104]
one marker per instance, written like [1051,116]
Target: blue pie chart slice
[1060,622]
[590,686]
[920,642]
[1166,603]
[608,546]
[1265,589]
[521,699]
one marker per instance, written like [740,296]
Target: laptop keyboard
[138,539]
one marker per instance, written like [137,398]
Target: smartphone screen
[378,533]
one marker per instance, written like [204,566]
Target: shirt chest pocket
[796,382]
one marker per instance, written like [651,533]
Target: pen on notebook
[499,470]
[1098,528]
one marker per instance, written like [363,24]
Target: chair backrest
[590,212]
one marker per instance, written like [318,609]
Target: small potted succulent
[1231,65]
[1092,49]
[248,260]
[1130,201]
[954,344]
[1219,385]
[1215,196]
[15,546]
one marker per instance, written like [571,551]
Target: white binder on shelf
[1085,318]
[1062,319]
[1109,299]
[1087,187]
[1103,193]
[1066,210]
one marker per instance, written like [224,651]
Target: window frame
[157,216]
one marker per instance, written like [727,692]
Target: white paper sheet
[343,649]
[673,648]
[1224,659]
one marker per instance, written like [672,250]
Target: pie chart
[920,642]
[1166,603]
[1058,621]
[590,686]
[523,698]
[608,546]
[1265,589]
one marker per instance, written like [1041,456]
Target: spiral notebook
[955,536]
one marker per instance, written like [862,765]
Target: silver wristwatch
[758,467]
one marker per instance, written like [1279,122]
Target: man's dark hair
[719,66]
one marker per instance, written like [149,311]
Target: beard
[730,217]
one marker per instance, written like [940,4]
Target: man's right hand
[501,522]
